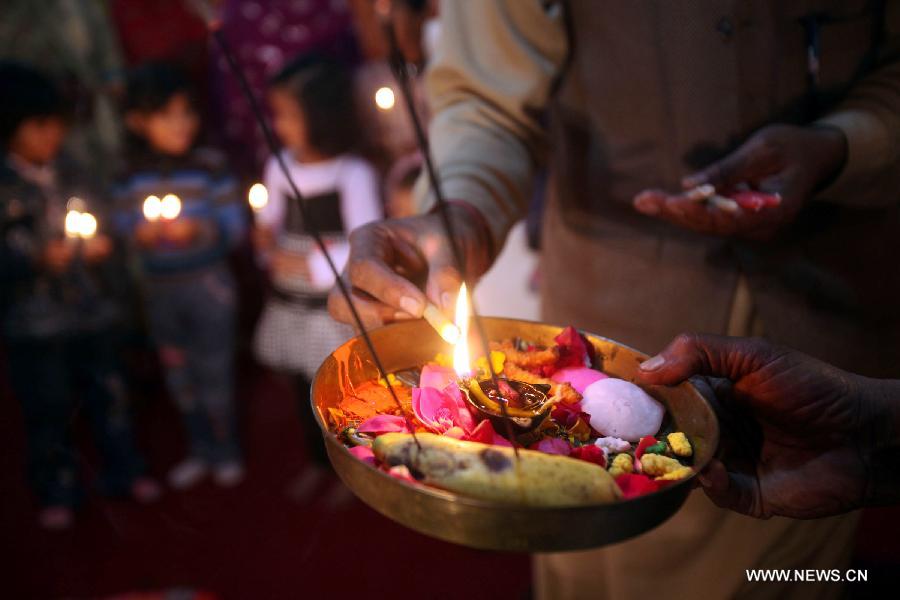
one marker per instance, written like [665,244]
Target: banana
[493,473]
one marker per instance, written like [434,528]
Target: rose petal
[573,349]
[634,485]
[384,424]
[485,434]
[590,453]
[578,377]
[464,413]
[434,409]
[552,446]
[436,377]
[363,453]
[643,444]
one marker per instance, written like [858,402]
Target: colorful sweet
[621,409]
[491,472]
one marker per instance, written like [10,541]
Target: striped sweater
[209,196]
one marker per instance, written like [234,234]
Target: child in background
[315,118]
[189,291]
[58,305]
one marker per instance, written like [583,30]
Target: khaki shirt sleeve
[870,119]
[487,87]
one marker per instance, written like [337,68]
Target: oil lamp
[512,406]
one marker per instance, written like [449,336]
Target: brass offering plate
[487,525]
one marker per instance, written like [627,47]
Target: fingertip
[647,203]
[693,180]
[654,363]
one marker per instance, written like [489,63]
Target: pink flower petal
[440,410]
[552,446]
[363,453]
[464,414]
[485,434]
[578,377]
[384,424]
[436,377]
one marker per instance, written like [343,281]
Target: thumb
[734,491]
[692,354]
[723,174]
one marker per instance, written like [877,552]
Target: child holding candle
[315,118]
[182,212]
[59,304]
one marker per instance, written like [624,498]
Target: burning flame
[170,207]
[461,360]
[384,98]
[258,196]
[80,224]
[87,226]
[152,208]
[73,220]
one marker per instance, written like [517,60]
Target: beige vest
[653,91]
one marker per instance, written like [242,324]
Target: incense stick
[399,70]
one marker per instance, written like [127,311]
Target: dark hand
[813,426]
[787,160]
[390,260]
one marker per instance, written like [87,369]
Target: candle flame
[258,196]
[80,224]
[73,222]
[87,225]
[152,208]
[461,360]
[384,98]
[170,207]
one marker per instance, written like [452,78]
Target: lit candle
[445,328]
[87,226]
[258,196]
[80,224]
[73,223]
[384,98]
[152,208]
[170,207]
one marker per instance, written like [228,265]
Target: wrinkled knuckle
[359,270]
[684,340]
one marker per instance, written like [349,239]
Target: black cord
[401,74]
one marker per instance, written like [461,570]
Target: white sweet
[613,444]
[621,409]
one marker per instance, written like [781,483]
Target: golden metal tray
[486,525]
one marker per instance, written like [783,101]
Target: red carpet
[253,541]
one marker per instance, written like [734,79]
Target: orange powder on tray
[367,400]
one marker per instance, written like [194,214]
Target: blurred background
[154,391]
